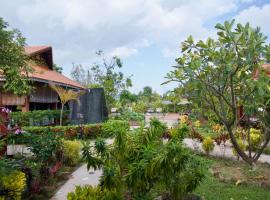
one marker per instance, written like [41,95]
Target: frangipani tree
[65,96]
[219,74]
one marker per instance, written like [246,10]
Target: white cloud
[78,28]
[257,16]
[123,52]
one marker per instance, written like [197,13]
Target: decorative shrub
[140,162]
[179,132]
[197,124]
[154,122]
[92,193]
[112,127]
[217,128]
[14,183]
[255,137]
[46,149]
[38,117]
[71,151]
[183,119]
[208,145]
[128,115]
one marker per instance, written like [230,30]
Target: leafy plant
[208,145]
[71,152]
[46,149]
[13,61]
[224,73]
[255,138]
[93,193]
[65,96]
[139,162]
[37,117]
[14,183]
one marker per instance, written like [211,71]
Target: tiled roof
[47,74]
[29,50]
[43,73]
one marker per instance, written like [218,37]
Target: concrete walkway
[220,152]
[80,177]
[83,177]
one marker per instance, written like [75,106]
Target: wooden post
[25,107]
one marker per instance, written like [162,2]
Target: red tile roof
[30,50]
[45,73]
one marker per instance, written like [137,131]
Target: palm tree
[65,96]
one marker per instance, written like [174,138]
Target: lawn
[222,185]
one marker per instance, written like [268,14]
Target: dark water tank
[91,107]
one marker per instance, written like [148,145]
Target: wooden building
[42,97]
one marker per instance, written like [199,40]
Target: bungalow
[42,97]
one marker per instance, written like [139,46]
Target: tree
[81,75]
[57,68]
[65,96]
[105,74]
[127,98]
[13,61]
[220,74]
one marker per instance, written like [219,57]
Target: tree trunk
[241,153]
[61,114]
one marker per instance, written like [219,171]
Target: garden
[218,148]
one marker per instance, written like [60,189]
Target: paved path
[226,152]
[83,177]
[80,177]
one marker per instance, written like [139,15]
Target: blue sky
[145,34]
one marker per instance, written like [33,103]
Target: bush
[14,183]
[154,122]
[128,115]
[86,131]
[149,165]
[111,127]
[71,151]
[208,145]
[38,117]
[92,193]
[46,149]
[255,137]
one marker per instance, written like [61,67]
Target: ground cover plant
[227,179]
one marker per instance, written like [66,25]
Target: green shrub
[38,117]
[14,183]
[86,131]
[154,122]
[255,137]
[46,149]
[140,162]
[111,127]
[71,151]
[208,145]
[128,115]
[92,193]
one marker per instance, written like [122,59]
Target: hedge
[86,131]
[38,118]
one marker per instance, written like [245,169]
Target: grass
[212,188]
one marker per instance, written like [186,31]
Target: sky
[145,34]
